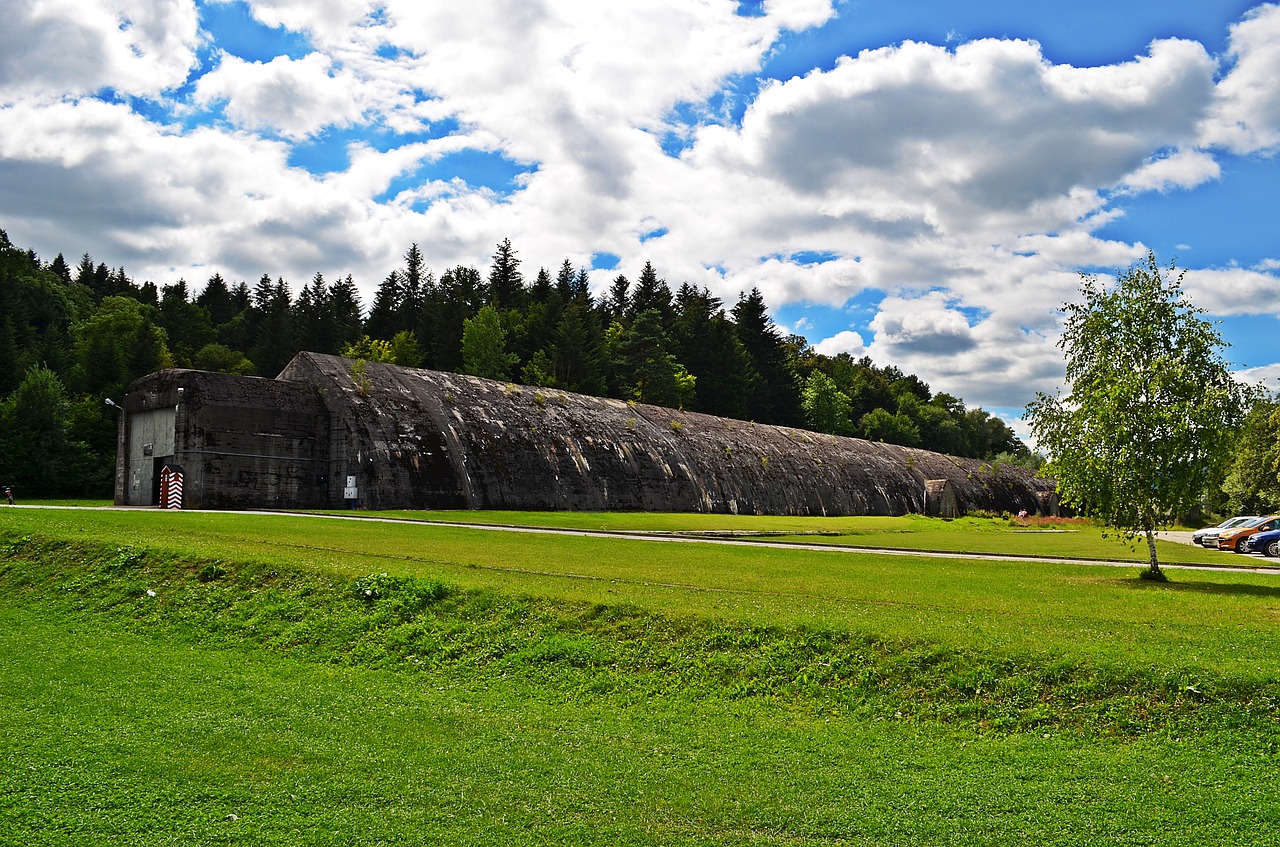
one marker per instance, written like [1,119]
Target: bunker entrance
[156,470]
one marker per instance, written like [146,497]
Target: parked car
[1266,543]
[1237,538]
[1208,537]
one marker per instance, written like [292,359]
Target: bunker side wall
[427,439]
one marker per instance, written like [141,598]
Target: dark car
[1237,539]
[1267,543]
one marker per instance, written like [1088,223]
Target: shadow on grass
[1232,588]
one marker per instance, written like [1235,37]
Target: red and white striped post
[171,487]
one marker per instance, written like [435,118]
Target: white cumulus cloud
[845,341]
[58,48]
[964,182]
[1246,117]
[294,97]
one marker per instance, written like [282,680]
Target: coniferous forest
[73,336]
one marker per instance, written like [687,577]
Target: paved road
[693,538]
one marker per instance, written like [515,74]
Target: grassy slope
[140,740]
[944,703]
[1079,612]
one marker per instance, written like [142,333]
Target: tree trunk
[1153,570]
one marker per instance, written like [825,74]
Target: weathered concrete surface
[241,441]
[423,439]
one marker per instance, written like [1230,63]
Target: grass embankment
[185,678]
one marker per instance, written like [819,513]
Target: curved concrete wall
[424,439]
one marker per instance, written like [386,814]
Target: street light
[121,496]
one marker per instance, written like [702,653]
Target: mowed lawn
[1221,622]
[998,535]
[165,681]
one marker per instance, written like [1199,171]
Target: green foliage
[187,325]
[506,283]
[38,455]
[774,391]
[826,407]
[1252,484]
[274,335]
[895,428]
[405,350]
[115,345]
[1023,459]
[369,349]
[484,346]
[539,371]
[1152,406]
[645,369]
[222,359]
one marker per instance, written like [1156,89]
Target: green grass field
[185,678]
[1034,537]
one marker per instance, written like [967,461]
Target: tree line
[70,337]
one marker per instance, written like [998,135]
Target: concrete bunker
[399,437]
[940,499]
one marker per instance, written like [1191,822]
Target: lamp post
[121,495]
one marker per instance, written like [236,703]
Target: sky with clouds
[921,181]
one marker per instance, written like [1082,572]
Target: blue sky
[919,181]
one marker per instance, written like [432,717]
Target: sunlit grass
[178,677]
[1222,622]
[116,737]
[1075,539]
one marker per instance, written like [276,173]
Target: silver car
[1208,537]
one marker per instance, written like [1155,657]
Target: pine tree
[774,397]
[651,294]
[84,276]
[541,317]
[618,305]
[414,277]
[185,323]
[575,353]
[384,315]
[241,297]
[313,321]
[60,269]
[274,342]
[344,306]
[565,281]
[647,370]
[217,299]
[582,289]
[506,285]
[706,341]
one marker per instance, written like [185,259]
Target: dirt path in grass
[1247,565]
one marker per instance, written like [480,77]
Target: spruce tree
[384,315]
[217,300]
[506,285]
[775,397]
